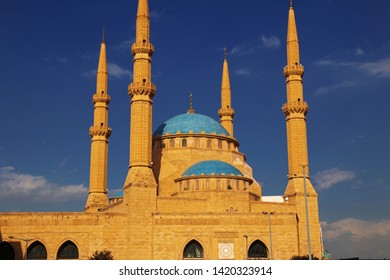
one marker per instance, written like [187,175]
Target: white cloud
[380,67]
[331,88]
[328,178]
[352,237]
[37,188]
[124,46]
[242,49]
[272,42]
[114,70]
[359,51]
[62,60]
[376,68]
[242,72]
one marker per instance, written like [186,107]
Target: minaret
[299,190]
[296,108]
[226,112]
[140,188]
[99,132]
[141,91]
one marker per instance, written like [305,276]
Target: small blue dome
[209,167]
[185,123]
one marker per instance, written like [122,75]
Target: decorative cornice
[142,89]
[100,131]
[101,97]
[295,107]
[226,112]
[147,48]
[293,70]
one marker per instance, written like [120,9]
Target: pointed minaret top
[225,73]
[191,109]
[292,39]
[291,5]
[103,34]
[102,66]
[143,8]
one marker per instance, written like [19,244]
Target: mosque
[189,193]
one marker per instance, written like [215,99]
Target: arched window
[36,251]
[7,252]
[193,250]
[172,143]
[218,184]
[197,185]
[209,144]
[237,185]
[219,144]
[184,143]
[207,184]
[68,251]
[257,251]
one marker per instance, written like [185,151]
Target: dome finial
[224,53]
[103,34]
[191,110]
[291,5]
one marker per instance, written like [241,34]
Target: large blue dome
[212,167]
[185,123]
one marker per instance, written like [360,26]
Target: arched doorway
[36,251]
[7,252]
[193,250]
[68,251]
[257,251]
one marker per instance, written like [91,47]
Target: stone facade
[189,193]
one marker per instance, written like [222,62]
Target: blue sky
[49,55]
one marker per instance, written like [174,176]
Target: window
[207,184]
[257,251]
[172,143]
[219,144]
[184,143]
[68,251]
[36,251]
[7,252]
[237,185]
[197,185]
[193,250]
[209,144]
[218,184]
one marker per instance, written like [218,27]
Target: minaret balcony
[101,97]
[295,107]
[226,112]
[137,88]
[142,47]
[294,69]
[100,131]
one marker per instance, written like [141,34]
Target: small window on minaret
[102,91]
[101,124]
[144,80]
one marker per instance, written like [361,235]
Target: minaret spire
[226,112]
[299,191]
[141,91]
[99,132]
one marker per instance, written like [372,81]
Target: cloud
[242,72]
[353,237]
[242,49]
[17,185]
[124,46]
[114,70]
[62,60]
[330,177]
[359,51]
[379,68]
[331,88]
[272,42]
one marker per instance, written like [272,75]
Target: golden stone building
[189,193]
